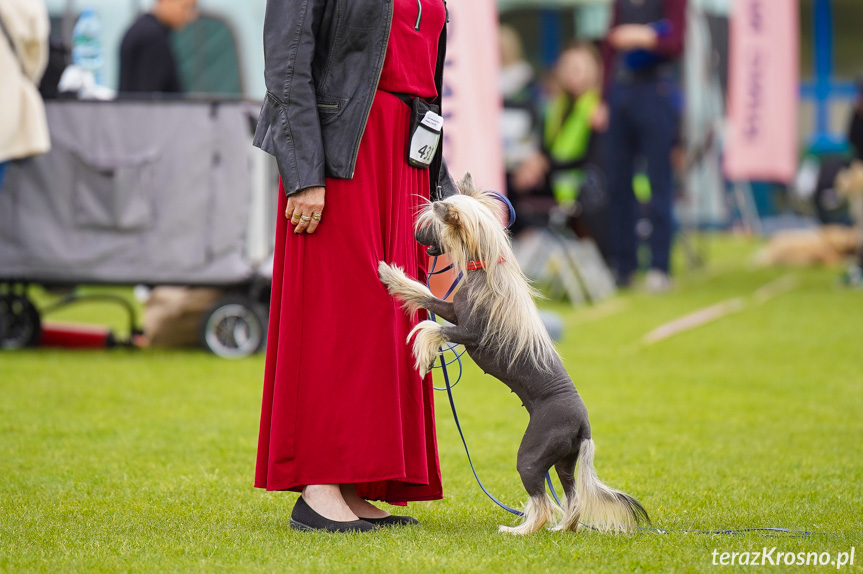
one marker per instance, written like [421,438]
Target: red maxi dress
[342,401]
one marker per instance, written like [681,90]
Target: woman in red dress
[346,418]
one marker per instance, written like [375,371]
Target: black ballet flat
[305,518]
[393,521]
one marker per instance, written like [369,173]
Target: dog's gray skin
[559,424]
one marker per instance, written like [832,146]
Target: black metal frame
[256,288]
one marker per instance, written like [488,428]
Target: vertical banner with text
[761,140]
[472,102]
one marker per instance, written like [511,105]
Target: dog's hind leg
[540,508]
[566,474]
[538,452]
[597,505]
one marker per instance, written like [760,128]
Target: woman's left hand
[531,173]
[628,37]
[599,119]
[305,209]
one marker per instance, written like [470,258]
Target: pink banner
[472,102]
[761,137]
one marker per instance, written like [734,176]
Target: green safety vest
[566,139]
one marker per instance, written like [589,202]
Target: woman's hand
[599,119]
[305,209]
[627,37]
[531,173]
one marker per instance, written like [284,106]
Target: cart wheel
[235,327]
[20,323]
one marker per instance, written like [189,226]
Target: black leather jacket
[323,61]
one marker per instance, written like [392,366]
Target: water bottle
[87,44]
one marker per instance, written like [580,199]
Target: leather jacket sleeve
[289,127]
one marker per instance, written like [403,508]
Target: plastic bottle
[87,44]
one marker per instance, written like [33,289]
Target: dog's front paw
[393,277]
[412,294]
[428,340]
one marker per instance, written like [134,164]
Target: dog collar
[480,264]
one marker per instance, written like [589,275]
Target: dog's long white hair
[468,227]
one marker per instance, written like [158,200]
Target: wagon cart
[152,192]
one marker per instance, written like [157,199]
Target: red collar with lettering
[480,264]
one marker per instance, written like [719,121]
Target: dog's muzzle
[426,237]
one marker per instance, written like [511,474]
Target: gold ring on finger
[316,216]
[306,218]
[295,216]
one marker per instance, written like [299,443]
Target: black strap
[437,166]
[12,44]
[406,98]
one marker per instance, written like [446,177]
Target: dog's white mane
[471,230]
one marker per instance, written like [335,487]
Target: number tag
[423,147]
[424,138]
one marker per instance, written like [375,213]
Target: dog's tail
[596,505]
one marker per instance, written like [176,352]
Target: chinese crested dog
[494,316]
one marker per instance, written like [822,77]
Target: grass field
[143,461]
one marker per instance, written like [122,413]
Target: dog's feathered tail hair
[596,505]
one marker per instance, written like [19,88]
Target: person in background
[641,111]
[571,148]
[520,118]
[147,63]
[855,126]
[24,29]
[854,193]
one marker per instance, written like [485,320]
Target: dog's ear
[451,216]
[466,185]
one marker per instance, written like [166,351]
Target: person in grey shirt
[147,62]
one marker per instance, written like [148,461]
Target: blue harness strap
[505,200]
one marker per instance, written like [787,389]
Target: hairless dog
[494,316]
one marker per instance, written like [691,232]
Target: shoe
[305,518]
[657,281]
[393,521]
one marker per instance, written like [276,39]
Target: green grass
[143,461]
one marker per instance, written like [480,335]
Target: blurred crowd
[619,95]
[33,66]
[592,147]
[589,147]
